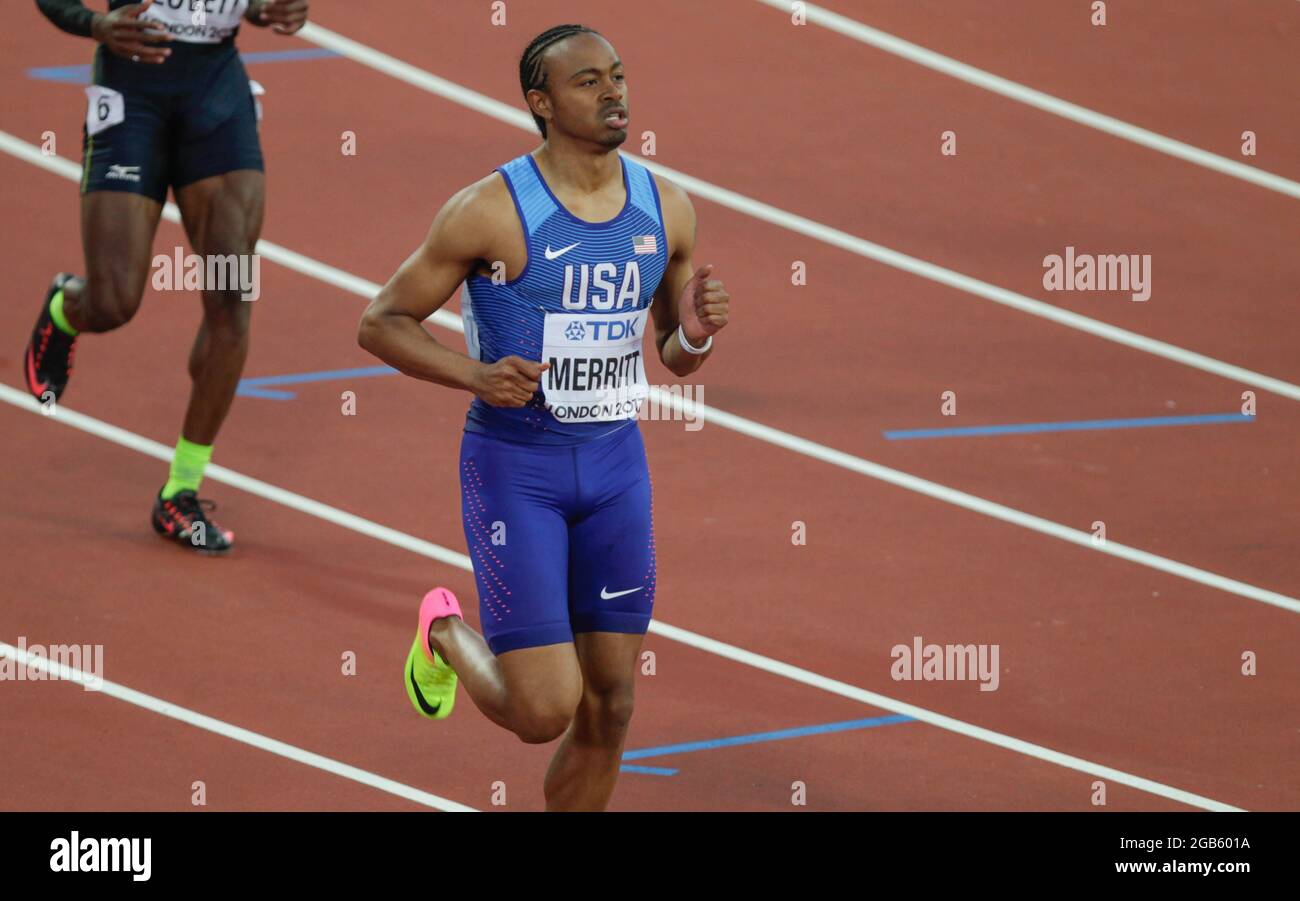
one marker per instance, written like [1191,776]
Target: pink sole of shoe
[436,604]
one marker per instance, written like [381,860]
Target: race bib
[105,109]
[597,372]
[197,21]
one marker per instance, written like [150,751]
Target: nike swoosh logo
[605,595]
[419,696]
[556,254]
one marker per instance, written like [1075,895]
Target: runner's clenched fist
[509,382]
[125,34]
[284,16]
[702,310]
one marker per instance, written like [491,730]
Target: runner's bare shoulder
[483,216]
[678,214]
[484,204]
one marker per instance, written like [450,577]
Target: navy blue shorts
[151,127]
[561,537]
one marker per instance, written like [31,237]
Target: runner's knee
[542,719]
[538,728]
[605,714]
[231,259]
[227,318]
[111,297]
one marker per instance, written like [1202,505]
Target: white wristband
[686,345]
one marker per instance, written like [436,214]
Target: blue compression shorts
[561,537]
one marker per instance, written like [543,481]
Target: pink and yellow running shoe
[430,680]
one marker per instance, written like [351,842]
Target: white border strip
[766,664]
[67,673]
[946,65]
[756,209]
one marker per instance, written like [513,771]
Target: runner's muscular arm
[69,15]
[284,16]
[392,326]
[122,31]
[685,296]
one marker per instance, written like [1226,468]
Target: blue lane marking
[1080,426]
[287,56]
[257,387]
[767,736]
[648,770]
[74,74]
[81,74]
[265,395]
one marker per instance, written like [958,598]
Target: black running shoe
[184,519]
[48,361]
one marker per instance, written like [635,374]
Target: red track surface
[1102,659]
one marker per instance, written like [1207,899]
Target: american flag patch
[645,244]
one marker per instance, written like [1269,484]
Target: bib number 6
[107,108]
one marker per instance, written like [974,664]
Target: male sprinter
[563,251]
[170,106]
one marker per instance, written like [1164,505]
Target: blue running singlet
[556,495]
[581,304]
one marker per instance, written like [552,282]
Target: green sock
[188,464]
[56,313]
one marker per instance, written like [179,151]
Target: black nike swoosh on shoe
[424,705]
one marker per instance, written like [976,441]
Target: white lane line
[988,508]
[353,284]
[311,507]
[235,733]
[756,209]
[883,40]
[978,733]
[367,289]
[257,487]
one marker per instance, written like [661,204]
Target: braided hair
[532,72]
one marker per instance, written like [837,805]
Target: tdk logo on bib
[602,329]
[602,285]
